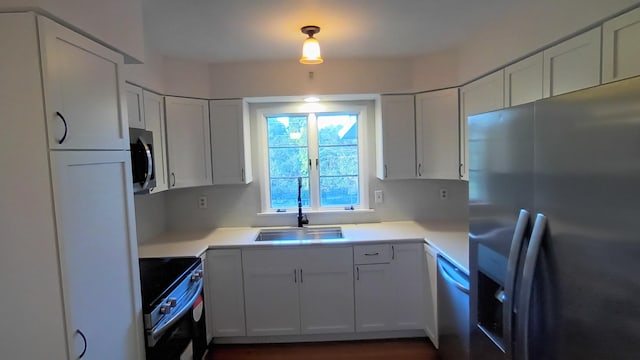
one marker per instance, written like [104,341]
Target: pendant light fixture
[311,47]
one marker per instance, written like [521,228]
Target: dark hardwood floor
[400,349]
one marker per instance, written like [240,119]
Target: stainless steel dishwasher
[453,311]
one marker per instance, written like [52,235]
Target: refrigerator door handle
[528,271]
[522,226]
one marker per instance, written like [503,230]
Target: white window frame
[265,110]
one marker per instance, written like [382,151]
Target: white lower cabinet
[225,293]
[407,286]
[431,295]
[105,230]
[298,291]
[373,297]
[326,290]
[389,296]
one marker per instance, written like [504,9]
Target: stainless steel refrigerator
[554,196]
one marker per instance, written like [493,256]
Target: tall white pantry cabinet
[68,257]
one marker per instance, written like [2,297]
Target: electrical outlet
[378,196]
[444,194]
[202,202]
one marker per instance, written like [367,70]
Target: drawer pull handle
[372,254]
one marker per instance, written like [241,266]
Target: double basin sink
[297,234]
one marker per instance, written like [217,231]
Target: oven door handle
[155,333]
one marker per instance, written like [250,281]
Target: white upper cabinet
[573,64]
[154,122]
[437,135]
[230,142]
[523,81]
[188,142]
[84,91]
[135,106]
[483,95]
[621,47]
[395,138]
[146,111]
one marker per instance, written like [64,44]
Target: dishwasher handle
[448,270]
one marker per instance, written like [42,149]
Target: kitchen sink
[315,233]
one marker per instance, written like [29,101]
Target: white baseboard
[320,337]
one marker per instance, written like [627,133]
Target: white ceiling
[256,30]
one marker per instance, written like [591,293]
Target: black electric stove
[160,276]
[173,308]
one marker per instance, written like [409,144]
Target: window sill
[336,211]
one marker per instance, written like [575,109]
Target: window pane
[284,193]
[339,191]
[287,131]
[340,129]
[288,162]
[338,160]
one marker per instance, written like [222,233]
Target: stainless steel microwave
[142,162]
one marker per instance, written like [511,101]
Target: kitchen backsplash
[239,205]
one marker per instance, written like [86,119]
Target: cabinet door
[573,64]
[326,290]
[437,135]
[32,307]
[407,286]
[154,122]
[98,253]
[225,292]
[188,142]
[135,106]
[483,95]
[230,142]
[271,291]
[83,90]
[523,81]
[396,137]
[431,294]
[620,47]
[373,297]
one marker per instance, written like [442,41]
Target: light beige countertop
[449,238]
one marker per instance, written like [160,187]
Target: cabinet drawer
[371,254]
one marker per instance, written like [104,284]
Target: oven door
[183,337]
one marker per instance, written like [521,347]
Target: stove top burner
[159,276]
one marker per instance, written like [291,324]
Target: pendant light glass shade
[311,47]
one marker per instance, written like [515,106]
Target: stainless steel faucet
[302,218]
